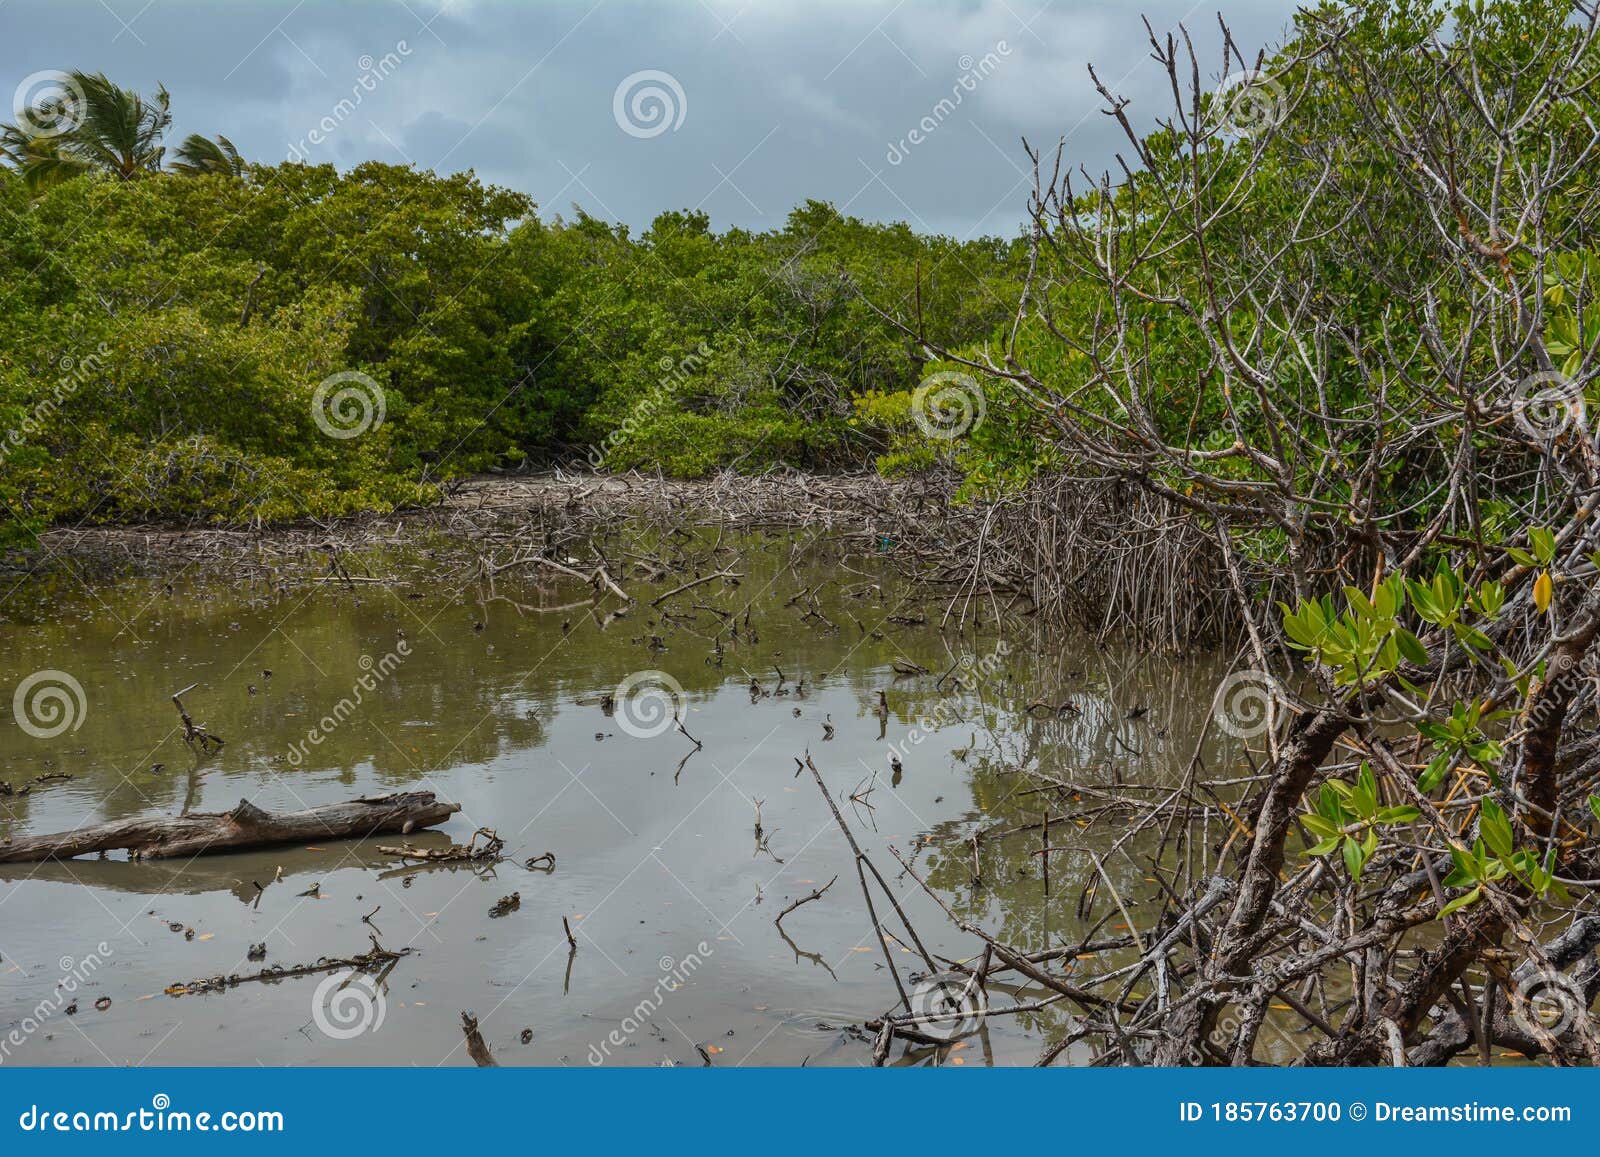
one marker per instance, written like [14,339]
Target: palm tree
[118,131]
[199,155]
[101,127]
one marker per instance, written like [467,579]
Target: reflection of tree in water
[1108,722]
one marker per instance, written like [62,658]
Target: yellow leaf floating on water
[205,936]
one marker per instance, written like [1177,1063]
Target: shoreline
[847,505]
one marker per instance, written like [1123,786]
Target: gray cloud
[785,99]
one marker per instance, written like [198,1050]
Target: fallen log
[246,826]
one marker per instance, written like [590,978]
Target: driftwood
[377,962]
[246,826]
[471,851]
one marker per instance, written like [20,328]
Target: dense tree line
[171,325]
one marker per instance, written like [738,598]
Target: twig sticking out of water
[815,895]
[193,733]
[477,1049]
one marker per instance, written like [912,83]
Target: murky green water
[659,871]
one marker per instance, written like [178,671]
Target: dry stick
[1044,853]
[815,895]
[1137,939]
[192,731]
[362,962]
[476,1048]
[1015,959]
[678,590]
[866,892]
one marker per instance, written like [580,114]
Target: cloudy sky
[738,107]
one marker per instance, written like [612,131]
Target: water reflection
[952,746]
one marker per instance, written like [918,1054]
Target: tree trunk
[246,826]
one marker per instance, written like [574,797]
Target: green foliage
[164,340]
[165,336]
[1367,639]
[1348,818]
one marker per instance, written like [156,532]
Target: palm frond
[199,155]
